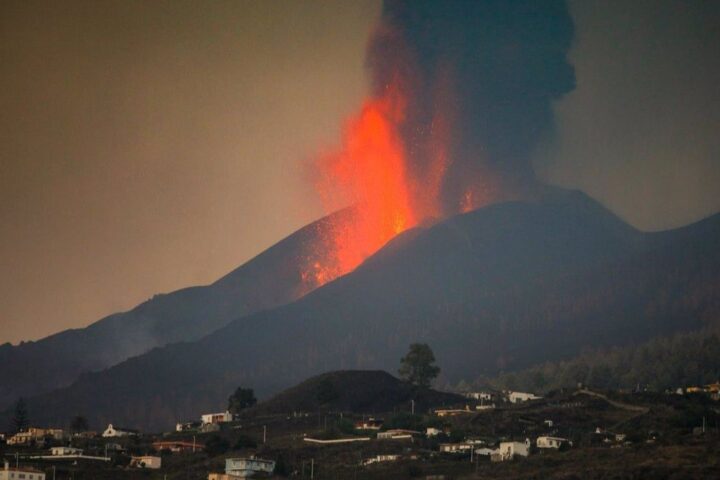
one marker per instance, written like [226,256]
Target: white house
[111,432]
[221,417]
[485,451]
[552,442]
[516,397]
[508,450]
[479,395]
[9,473]
[380,458]
[432,431]
[61,451]
[146,461]
[455,447]
[37,435]
[369,424]
[247,467]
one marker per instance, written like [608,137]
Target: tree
[418,366]
[241,399]
[216,445]
[79,424]
[21,420]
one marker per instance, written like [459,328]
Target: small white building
[380,459]
[146,461]
[113,432]
[60,451]
[479,395]
[516,397]
[187,426]
[455,447]
[222,417]
[432,431]
[34,434]
[485,451]
[369,424]
[509,450]
[247,467]
[9,473]
[552,442]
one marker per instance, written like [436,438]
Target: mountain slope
[270,279]
[500,288]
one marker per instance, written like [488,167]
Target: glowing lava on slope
[370,173]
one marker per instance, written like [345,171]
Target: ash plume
[479,79]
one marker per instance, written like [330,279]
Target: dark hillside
[498,289]
[359,391]
[270,279]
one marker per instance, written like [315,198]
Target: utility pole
[312,468]
[412,408]
[264,433]
[193,443]
[53,472]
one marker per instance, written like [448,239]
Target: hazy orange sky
[147,146]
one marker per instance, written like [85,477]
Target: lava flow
[370,173]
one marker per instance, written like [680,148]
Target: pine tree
[21,420]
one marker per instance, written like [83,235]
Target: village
[484,434]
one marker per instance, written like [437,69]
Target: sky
[149,146]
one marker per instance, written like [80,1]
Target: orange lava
[368,172]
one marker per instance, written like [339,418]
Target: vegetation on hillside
[659,364]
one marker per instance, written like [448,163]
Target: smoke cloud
[479,78]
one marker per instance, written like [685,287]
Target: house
[187,426]
[215,418]
[552,442]
[516,397]
[178,446]
[379,459]
[113,432]
[455,447]
[247,467]
[146,461]
[486,452]
[432,431]
[397,434]
[369,424]
[114,447]
[479,395]
[8,473]
[63,451]
[34,434]
[508,450]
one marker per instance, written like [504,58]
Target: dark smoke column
[479,78]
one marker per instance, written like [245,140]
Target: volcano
[496,289]
[273,278]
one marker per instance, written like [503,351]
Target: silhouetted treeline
[662,363]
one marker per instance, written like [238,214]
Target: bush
[244,442]
[216,445]
[414,471]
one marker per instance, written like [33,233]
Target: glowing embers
[369,172]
